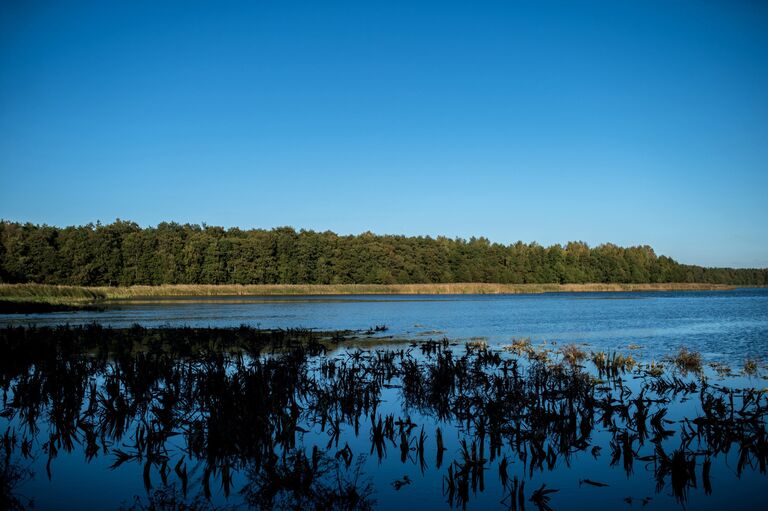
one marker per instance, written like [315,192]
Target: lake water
[725,326]
[170,418]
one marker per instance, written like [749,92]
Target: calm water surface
[131,423]
[163,431]
[724,325]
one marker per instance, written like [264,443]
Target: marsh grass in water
[297,419]
[573,354]
[750,366]
[688,360]
[612,364]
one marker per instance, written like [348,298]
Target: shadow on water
[292,419]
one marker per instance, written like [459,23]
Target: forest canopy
[123,254]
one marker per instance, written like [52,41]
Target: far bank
[20,298]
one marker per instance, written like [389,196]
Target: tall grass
[76,294]
[405,289]
[41,293]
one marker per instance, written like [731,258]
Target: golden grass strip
[76,294]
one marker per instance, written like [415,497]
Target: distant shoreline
[120,293]
[28,298]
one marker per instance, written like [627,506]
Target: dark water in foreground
[247,419]
[723,325]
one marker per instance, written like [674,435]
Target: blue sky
[626,122]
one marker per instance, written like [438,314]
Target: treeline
[122,254]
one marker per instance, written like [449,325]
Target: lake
[724,325]
[464,402]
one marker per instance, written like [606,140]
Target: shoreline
[28,298]
[392,289]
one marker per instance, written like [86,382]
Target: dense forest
[122,253]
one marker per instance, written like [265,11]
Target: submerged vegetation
[277,420]
[123,254]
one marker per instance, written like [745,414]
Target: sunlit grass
[750,366]
[76,294]
[688,360]
[353,289]
[40,293]
[572,354]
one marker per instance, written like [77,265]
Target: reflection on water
[181,418]
[723,325]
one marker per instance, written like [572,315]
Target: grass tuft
[688,360]
[613,363]
[572,354]
[519,346]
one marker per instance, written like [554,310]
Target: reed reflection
[275,419]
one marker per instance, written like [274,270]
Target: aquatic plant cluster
[293,419]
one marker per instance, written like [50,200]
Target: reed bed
[50,293]
[404,289]
[27,298]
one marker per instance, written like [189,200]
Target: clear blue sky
[627,122]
